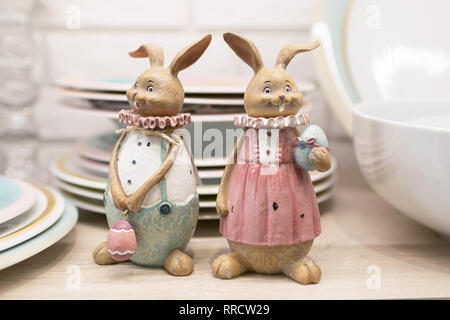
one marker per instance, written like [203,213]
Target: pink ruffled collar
[276,123]
[130,118]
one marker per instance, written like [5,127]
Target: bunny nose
[281,96]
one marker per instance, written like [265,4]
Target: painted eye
[267,90]
[150,89]
[288,89]
[135,85]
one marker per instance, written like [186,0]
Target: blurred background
[377,85]
[66,67]
[92,38]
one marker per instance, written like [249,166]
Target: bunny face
[158,91]
[271,92]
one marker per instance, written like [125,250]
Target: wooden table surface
[363,240]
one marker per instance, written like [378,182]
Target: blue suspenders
[164,207]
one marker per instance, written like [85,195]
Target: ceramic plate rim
[114,115]
[121,97]
[327,194]
[84,182]
[78,190]
[90,152]
[43,240]
[364,115]
[85,205]
[30,215]
[25,202]
[321,175]
[67,175]
[37,226]
[99,167]
[98,84]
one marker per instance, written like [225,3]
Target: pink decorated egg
[121,242]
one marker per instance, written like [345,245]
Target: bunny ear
[290,50]
[189,55]
[153,51]
[245,49]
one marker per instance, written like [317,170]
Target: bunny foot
[178,263]
[101,255]
[228,266]
[304,271]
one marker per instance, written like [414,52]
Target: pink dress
[271,200]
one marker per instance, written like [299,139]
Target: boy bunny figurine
[151,196]
[266,201]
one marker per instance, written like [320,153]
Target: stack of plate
[206,102]
[32,218]
[82,175]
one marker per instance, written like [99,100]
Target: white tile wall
[253,14]
[109,29]
[115,14]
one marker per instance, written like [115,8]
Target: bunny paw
[320,158]
[304,271]
[178,263]
[101,255]
[228,266]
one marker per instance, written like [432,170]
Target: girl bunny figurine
[151,196]
[266,201]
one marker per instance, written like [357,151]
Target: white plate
[91,206]
[406,54]
[324,196]
[53,211]
[79,191]
[210,174]
[317,175]
[99,147]
[119,84]
[83,108]
[210,213]
[207,190]
[86,204]
[94,202]
[74,170]
[97,167]
[16,197]
[380,49]
[210,162]
[43,240]
[120,97]
[64,169]
[202,190]
[319,186]
[324,184]
[98,194]
[26,218]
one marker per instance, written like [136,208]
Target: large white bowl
[403,150]
[382,49]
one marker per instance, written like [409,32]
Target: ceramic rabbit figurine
[266,201]
[151,196]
